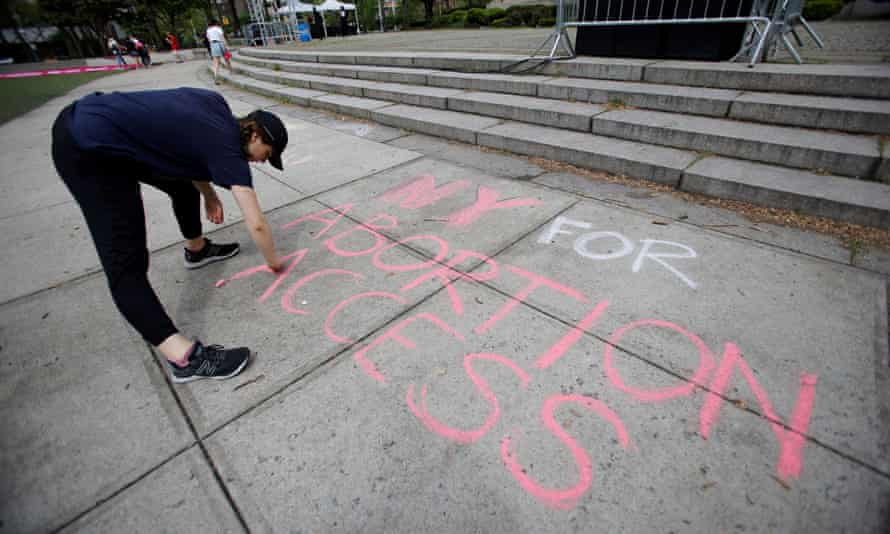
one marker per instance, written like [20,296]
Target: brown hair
[246,128]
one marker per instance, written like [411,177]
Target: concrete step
[568,115]
[834,197]
[866,81]
[638,160]
[857,156]
[678,98]
[846,114]
[843,154]
[828,196]
[497,83]
[858,115]
[416,95]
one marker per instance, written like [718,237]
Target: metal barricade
[767,20]
[790,14]
[263,32]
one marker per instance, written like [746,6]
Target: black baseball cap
[274,132]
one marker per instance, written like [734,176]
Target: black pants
[107,188]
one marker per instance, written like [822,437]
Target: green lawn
[21,95]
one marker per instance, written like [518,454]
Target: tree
[90,16]
[10,17]
[428,11]
[170,11]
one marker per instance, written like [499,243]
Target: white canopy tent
[334,5]
[295,6]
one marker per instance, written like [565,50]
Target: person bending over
[180,141]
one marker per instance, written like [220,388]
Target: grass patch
[616,103]
[855,247]
[21,95]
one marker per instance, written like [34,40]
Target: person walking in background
[104,146]
[141,51]
[317,25]
[116,50]
[344,22]
[174,46]
[131,49]
[218,48]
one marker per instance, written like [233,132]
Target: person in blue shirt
[180,141]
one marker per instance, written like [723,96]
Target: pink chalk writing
[394,333]
[705,364]
[296,258]
[329,330]
[421,191]
[367,240]
[563,498]
[568,341]
[327,224]
[536,282]
[447,274]
[288,295]
[455,434]
[791,442]
[388,267]
[487,200]
[370,228]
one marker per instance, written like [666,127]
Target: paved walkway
[845,41]
[464,342]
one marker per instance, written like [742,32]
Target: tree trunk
[73,41]
[235,22]
[428,11]
[13,16]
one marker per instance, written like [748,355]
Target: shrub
[502,22]
[494,13]
[821,9]
[476,17]
[458,16]
[440,21]
[530,15]
[546,21]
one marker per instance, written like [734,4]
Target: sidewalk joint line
[633,354]
[122,489]
[706,228]
[198,440]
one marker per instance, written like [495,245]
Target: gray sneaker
[210,253]
[211,361]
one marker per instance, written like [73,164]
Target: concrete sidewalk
[463,342]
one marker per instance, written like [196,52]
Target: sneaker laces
[215,353]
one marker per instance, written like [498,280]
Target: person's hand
[277,265]
[214,210]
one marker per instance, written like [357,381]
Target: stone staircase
[812,138]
